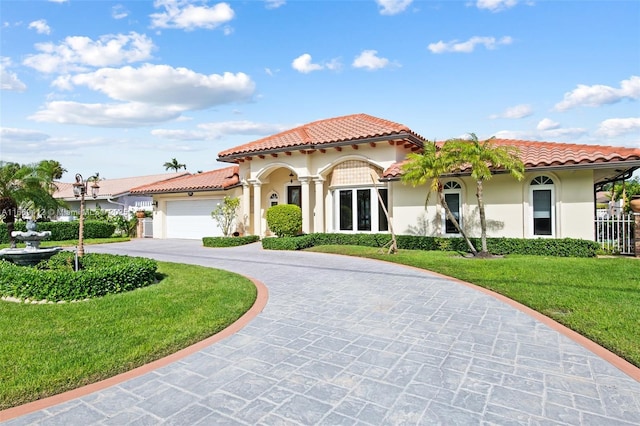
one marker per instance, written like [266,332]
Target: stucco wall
[507,206]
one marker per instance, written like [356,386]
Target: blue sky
[122,87]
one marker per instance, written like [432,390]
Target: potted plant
[634,203]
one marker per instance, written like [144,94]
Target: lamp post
[80,190]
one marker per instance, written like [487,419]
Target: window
[453,197]
[357,212]
[273,200]
[542,206]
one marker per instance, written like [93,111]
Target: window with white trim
[542,201]
[360,210]
[452,192]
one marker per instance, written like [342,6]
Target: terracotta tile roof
[214,180]
[116,187]
[354,128]
[537,155]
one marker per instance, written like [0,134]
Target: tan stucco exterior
[508,201]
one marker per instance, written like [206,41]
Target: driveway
[360,342]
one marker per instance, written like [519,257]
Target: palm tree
[20,184]
[175,165]
[429,167]
[483,157]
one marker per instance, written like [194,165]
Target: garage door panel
[191,219]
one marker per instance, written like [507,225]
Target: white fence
[614,233]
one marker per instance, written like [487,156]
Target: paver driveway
[355,341]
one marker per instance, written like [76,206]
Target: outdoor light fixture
[291,177]
[80,187]
[190,194]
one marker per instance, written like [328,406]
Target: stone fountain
[31,254]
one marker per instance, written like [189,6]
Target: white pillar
[318,222]
[306,220]
[246,206]
[257,208]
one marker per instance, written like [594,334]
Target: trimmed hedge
[565,247]
[63,231]
[55,280]
[229,241]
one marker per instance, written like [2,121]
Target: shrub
[566,247]
[62,231]
[225,214]
[55,280]
[284,220]
[229,241]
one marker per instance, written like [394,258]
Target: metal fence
[615,233]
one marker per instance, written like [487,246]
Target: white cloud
[598,95]
[131,114]
[518,111]
[552,135]
[304,65]
[9,80]
[149,94]
[495,5]
[119,12]
[393,7]
[184,14]
[469,45]
[368,59]
[10,135]
[40,26]
[214,131]
[547,124]
[178,89]
[619,126]
[274,4]
[77,53]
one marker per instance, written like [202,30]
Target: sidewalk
[354,341]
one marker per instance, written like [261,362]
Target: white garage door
[192,219]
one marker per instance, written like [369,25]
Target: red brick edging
[259,304]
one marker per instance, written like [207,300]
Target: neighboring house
[114,194]
[336,170]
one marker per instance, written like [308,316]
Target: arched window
[542,201]
[453,196]
[273,199]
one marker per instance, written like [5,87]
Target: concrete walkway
[347,341]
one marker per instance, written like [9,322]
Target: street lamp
[80,190]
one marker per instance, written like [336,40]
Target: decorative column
[257,208]
[246,206]
[305,202]
[318,219]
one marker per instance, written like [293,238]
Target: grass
[48,349]
[596,297]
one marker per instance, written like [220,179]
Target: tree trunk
[456,224]
[483,218]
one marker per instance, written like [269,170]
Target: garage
[191,219]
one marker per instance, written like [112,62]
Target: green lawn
[597,297]
[48,349]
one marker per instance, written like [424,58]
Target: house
[114,195]
[340,170]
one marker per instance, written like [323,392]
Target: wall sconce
[155,204]
[190,194]
[291,177]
